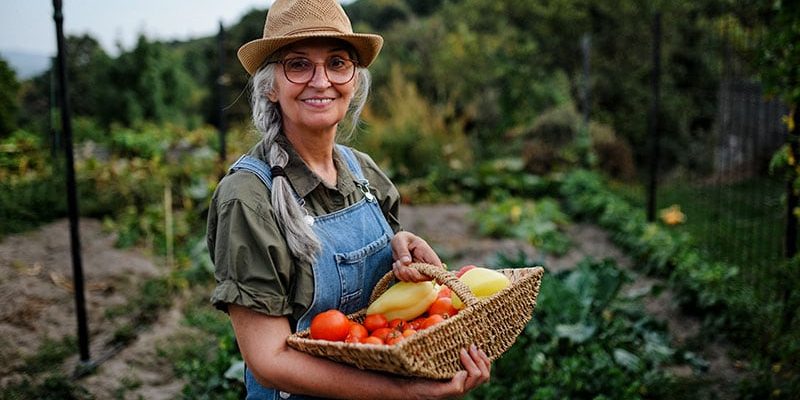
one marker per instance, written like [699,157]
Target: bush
[612,154]
[549,143]
[411,139]
[539,222]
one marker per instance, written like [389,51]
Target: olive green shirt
[253,264]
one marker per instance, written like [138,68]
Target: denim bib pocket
[355,278]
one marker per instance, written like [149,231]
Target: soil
[36,290]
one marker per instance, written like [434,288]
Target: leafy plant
[537,221]
[585,341]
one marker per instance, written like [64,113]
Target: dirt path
[35,274]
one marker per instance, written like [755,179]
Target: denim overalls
[355,254]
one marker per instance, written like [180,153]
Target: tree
[148,83]
[87,72]
[8,99]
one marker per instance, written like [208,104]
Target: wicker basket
[492,324]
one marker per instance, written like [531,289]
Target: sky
[28,26]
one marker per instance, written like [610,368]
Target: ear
[272,95]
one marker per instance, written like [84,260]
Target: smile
[317,101]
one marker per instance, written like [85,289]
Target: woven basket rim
[350,352]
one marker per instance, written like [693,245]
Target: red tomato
[330,325]
[394,337]
[416,323]
[444,292]
[397,324]
[442,306]
[352,339]
[375,321]
[382,333]
[409,332]
[431,321]
[356,333]
[372,340]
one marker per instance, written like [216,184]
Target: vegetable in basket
[482,282]
[404,300]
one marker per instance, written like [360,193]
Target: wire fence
[737,207]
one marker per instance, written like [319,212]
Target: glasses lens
[298,70]
[301,70]
[339,70]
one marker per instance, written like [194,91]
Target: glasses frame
[314,73]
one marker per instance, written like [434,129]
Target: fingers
[407,274]
[477,370]
[408,248]
[401,250]
[477,365]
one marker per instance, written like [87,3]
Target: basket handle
[442,277]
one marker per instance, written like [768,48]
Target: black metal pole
[653,126]
[222,123]
[72,197]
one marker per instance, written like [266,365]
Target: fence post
[652,123]
[72,197]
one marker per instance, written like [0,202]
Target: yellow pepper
[404,300]
[482,282]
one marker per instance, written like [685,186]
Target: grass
[739,223]
[41,377]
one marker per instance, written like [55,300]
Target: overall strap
[254,165]
[352,161]
[261,170]
[361,182]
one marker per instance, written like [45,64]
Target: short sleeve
[252,263]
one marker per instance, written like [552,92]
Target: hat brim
[252,54]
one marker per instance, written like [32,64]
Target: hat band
[315,29]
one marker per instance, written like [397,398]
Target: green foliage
[50,352]
[31,192]
[540,222]
[411,139]
[145,83]
[499,178]
[8,99]
[585,341]
[780,57]
[148,84]
[555,141]
[700,283]
[204,358]
[757,315]
[88,78]
[54,386]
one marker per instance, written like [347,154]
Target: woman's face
[318,105]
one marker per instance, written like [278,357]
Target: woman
[300,224]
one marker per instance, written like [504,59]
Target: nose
[320,77]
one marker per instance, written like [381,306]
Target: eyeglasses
[301,70]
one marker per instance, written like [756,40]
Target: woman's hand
[408,248]
[477,371]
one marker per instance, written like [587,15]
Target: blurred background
[668,125]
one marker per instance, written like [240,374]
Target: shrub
[539,222]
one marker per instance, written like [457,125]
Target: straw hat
[289,21]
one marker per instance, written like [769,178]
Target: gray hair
[303,242]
